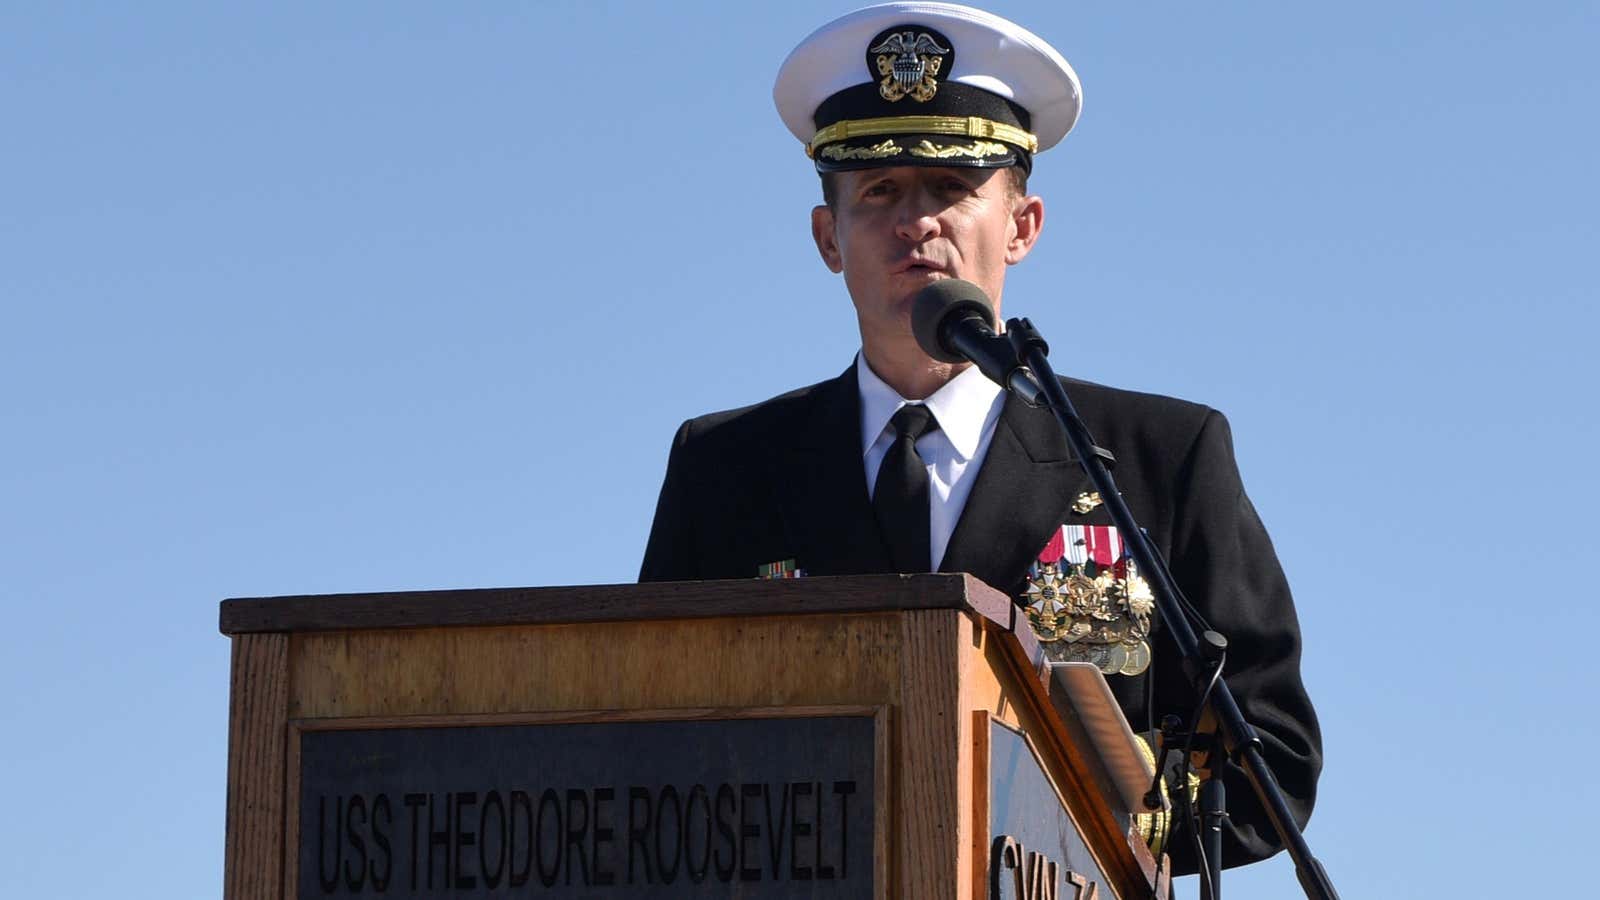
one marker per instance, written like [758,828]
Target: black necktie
[900,496]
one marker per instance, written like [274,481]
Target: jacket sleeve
[1225,563]
[669,554]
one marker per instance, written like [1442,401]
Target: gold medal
[1081,594]
[1114,658]
[1138,659]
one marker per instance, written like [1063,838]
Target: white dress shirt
[967,409]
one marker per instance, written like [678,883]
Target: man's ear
[822,231]
[1027,216]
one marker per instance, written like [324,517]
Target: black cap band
[965,126]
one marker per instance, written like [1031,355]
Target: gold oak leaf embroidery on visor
[976,150]
[877,151]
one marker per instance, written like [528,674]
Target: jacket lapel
[1024,491]
[823,493]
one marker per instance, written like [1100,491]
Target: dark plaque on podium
[778,807]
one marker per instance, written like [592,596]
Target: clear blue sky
[301,298]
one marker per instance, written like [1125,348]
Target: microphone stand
[1232,736]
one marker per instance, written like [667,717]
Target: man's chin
[905,286]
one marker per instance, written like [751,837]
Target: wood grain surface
[933,852]
[979,812]
[610,603]
[757,661]
[257,715]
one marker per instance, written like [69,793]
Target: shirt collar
[961,407]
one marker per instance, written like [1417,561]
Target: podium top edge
[613,603]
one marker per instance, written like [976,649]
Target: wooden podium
[878,736]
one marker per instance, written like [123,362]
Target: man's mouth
[919,266]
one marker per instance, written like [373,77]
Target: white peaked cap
[991,53]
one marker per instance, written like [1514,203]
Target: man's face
[892,232]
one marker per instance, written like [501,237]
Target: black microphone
[953,321]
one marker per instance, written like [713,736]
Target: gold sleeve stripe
[966,126]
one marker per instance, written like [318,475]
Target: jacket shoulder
[1136,418]
[754,426]
[1140,403]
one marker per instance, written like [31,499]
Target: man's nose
[917,222]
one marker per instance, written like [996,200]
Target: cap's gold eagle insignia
[908,62]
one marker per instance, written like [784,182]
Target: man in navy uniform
[923,120]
